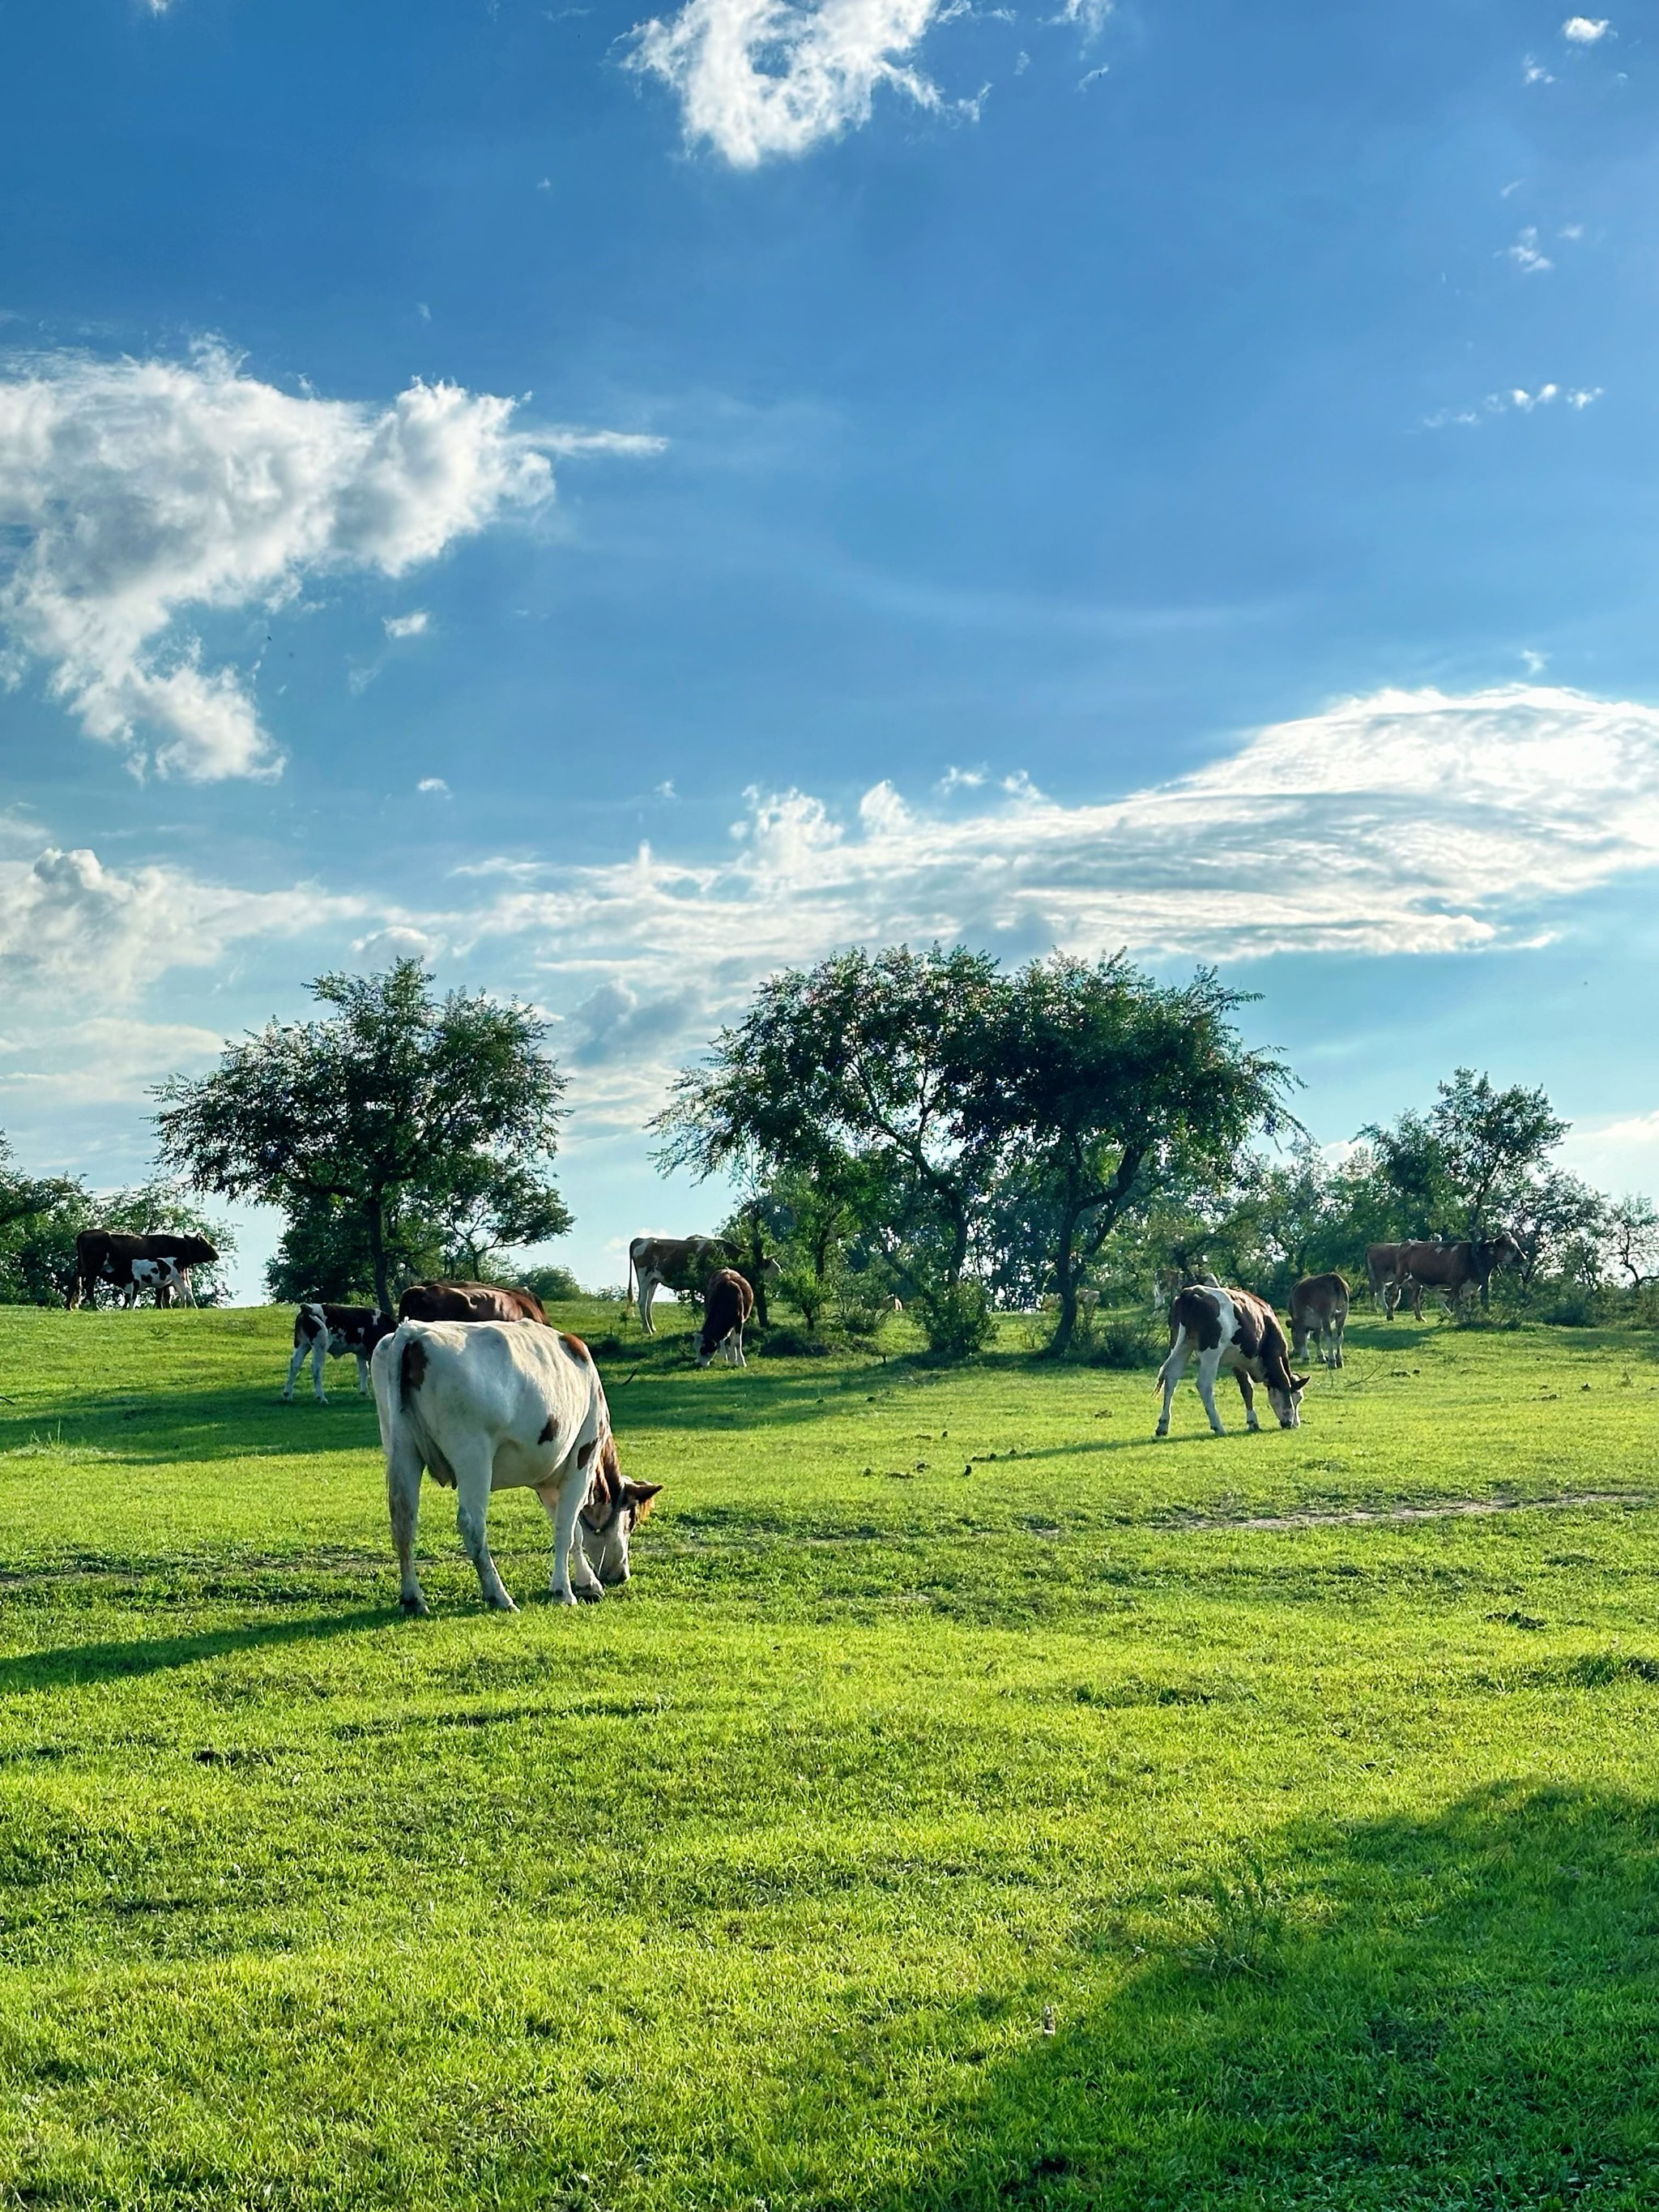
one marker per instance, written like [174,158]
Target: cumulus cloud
[764,79]
[73,928]
[1585,30]
[140,493]
[434,786]
[411,625]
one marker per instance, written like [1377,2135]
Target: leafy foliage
[406,1114]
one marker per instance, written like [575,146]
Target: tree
[397,1102]
[40,1220]
[1097,1078]
[867,1058]
[1632,1235]
[1491,1141]
[1560,1225]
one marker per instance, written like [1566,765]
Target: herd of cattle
[466,1391]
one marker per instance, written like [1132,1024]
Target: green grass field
[966,1805]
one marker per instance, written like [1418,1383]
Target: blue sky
[617,504]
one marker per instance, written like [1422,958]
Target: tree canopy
[397,1106]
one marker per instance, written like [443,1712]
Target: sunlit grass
[945,1709]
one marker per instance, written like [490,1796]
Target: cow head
[1284,1396]
[193,1251]
[1497,1251]
[615,1509]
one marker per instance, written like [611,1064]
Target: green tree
[1632,1234]
[1103,1083]
[1491,1143]
[40,1217]
[865,1057]
[397,1100]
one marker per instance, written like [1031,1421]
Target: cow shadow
[214,1422]
[70,1665]
[1451,2012]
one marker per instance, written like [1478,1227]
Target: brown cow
[468,1301]
[1379,1273]
[680,1264]
[1230,1328]
[727,1303]
[1318,1308]
[1450,1267]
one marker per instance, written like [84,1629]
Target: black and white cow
[161,1262]
[324,1332]
[489,1404]
[1230,1328]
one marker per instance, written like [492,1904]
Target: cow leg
[319,1356]
[1336,1355]
[404,1470]
[1247,1392]
[1209,1366]
[647,1292]
[1170,1375]
[300,1352]
[735,1349]
[564,1504]
[362,1375]
[472,1474]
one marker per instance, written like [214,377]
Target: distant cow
[1379,1272]
[468,1301]
[1450,1267]
[161,1262]
[1230,1328]
[727,1303]
[681,1264]
[1319,1308]
[492,1405]
[323,1331]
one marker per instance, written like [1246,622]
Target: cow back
[468,1301]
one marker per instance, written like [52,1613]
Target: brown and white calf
[680,1264]
[727,1303]
[1319,1309]
[1235,1330]
[324,1332]
[487,1406]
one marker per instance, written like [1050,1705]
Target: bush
[793,1343]
[550,1285]
[958,1322]
[1127,1339]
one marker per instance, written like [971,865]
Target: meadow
[970,1802]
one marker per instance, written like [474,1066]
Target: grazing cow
[161,1262]
[491,1406]
[1230,1328]
[1319,1308]
[1379,1274]
[727,1303]
[680,1264]
[323,1331]
[468,1301]
[1450,1267]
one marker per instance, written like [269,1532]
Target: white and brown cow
[680,1264]
[327,1332]
[492,1405]
[1319,1309]
[1453,1269]
[1235,1329]
[727,1303]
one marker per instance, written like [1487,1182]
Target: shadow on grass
[1456,2013]
[69,1664]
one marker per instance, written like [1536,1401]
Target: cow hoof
[415,1607]
[502,1604]
[562,1597]
[589,1596]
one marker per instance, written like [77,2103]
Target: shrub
[550,1285]
[958,1322]
[1127,1339]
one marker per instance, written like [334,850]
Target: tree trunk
[373,1213]
[1066,1272]
[756,1278]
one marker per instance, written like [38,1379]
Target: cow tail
[631,1273]
[1177,1349]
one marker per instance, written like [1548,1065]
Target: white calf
[1235,1330]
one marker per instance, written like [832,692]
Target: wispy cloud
[1525,253]
[1516,400]
[139,492]
[410,625]
[760,79]
[1534,72]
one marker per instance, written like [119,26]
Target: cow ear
[1299,1382]
[641,1493]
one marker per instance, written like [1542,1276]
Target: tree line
[931,1127]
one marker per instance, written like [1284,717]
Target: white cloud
[141,490]
[1516,400]
[570,444]
[1534,663]
[435,786]
[75,929]
[1525,253]
[411,625]
[1089,16]
[764,79]
[1585,30]
[1534,72]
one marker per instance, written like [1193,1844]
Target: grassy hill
[971,1802]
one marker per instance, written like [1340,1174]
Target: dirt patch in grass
[1440,1509]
